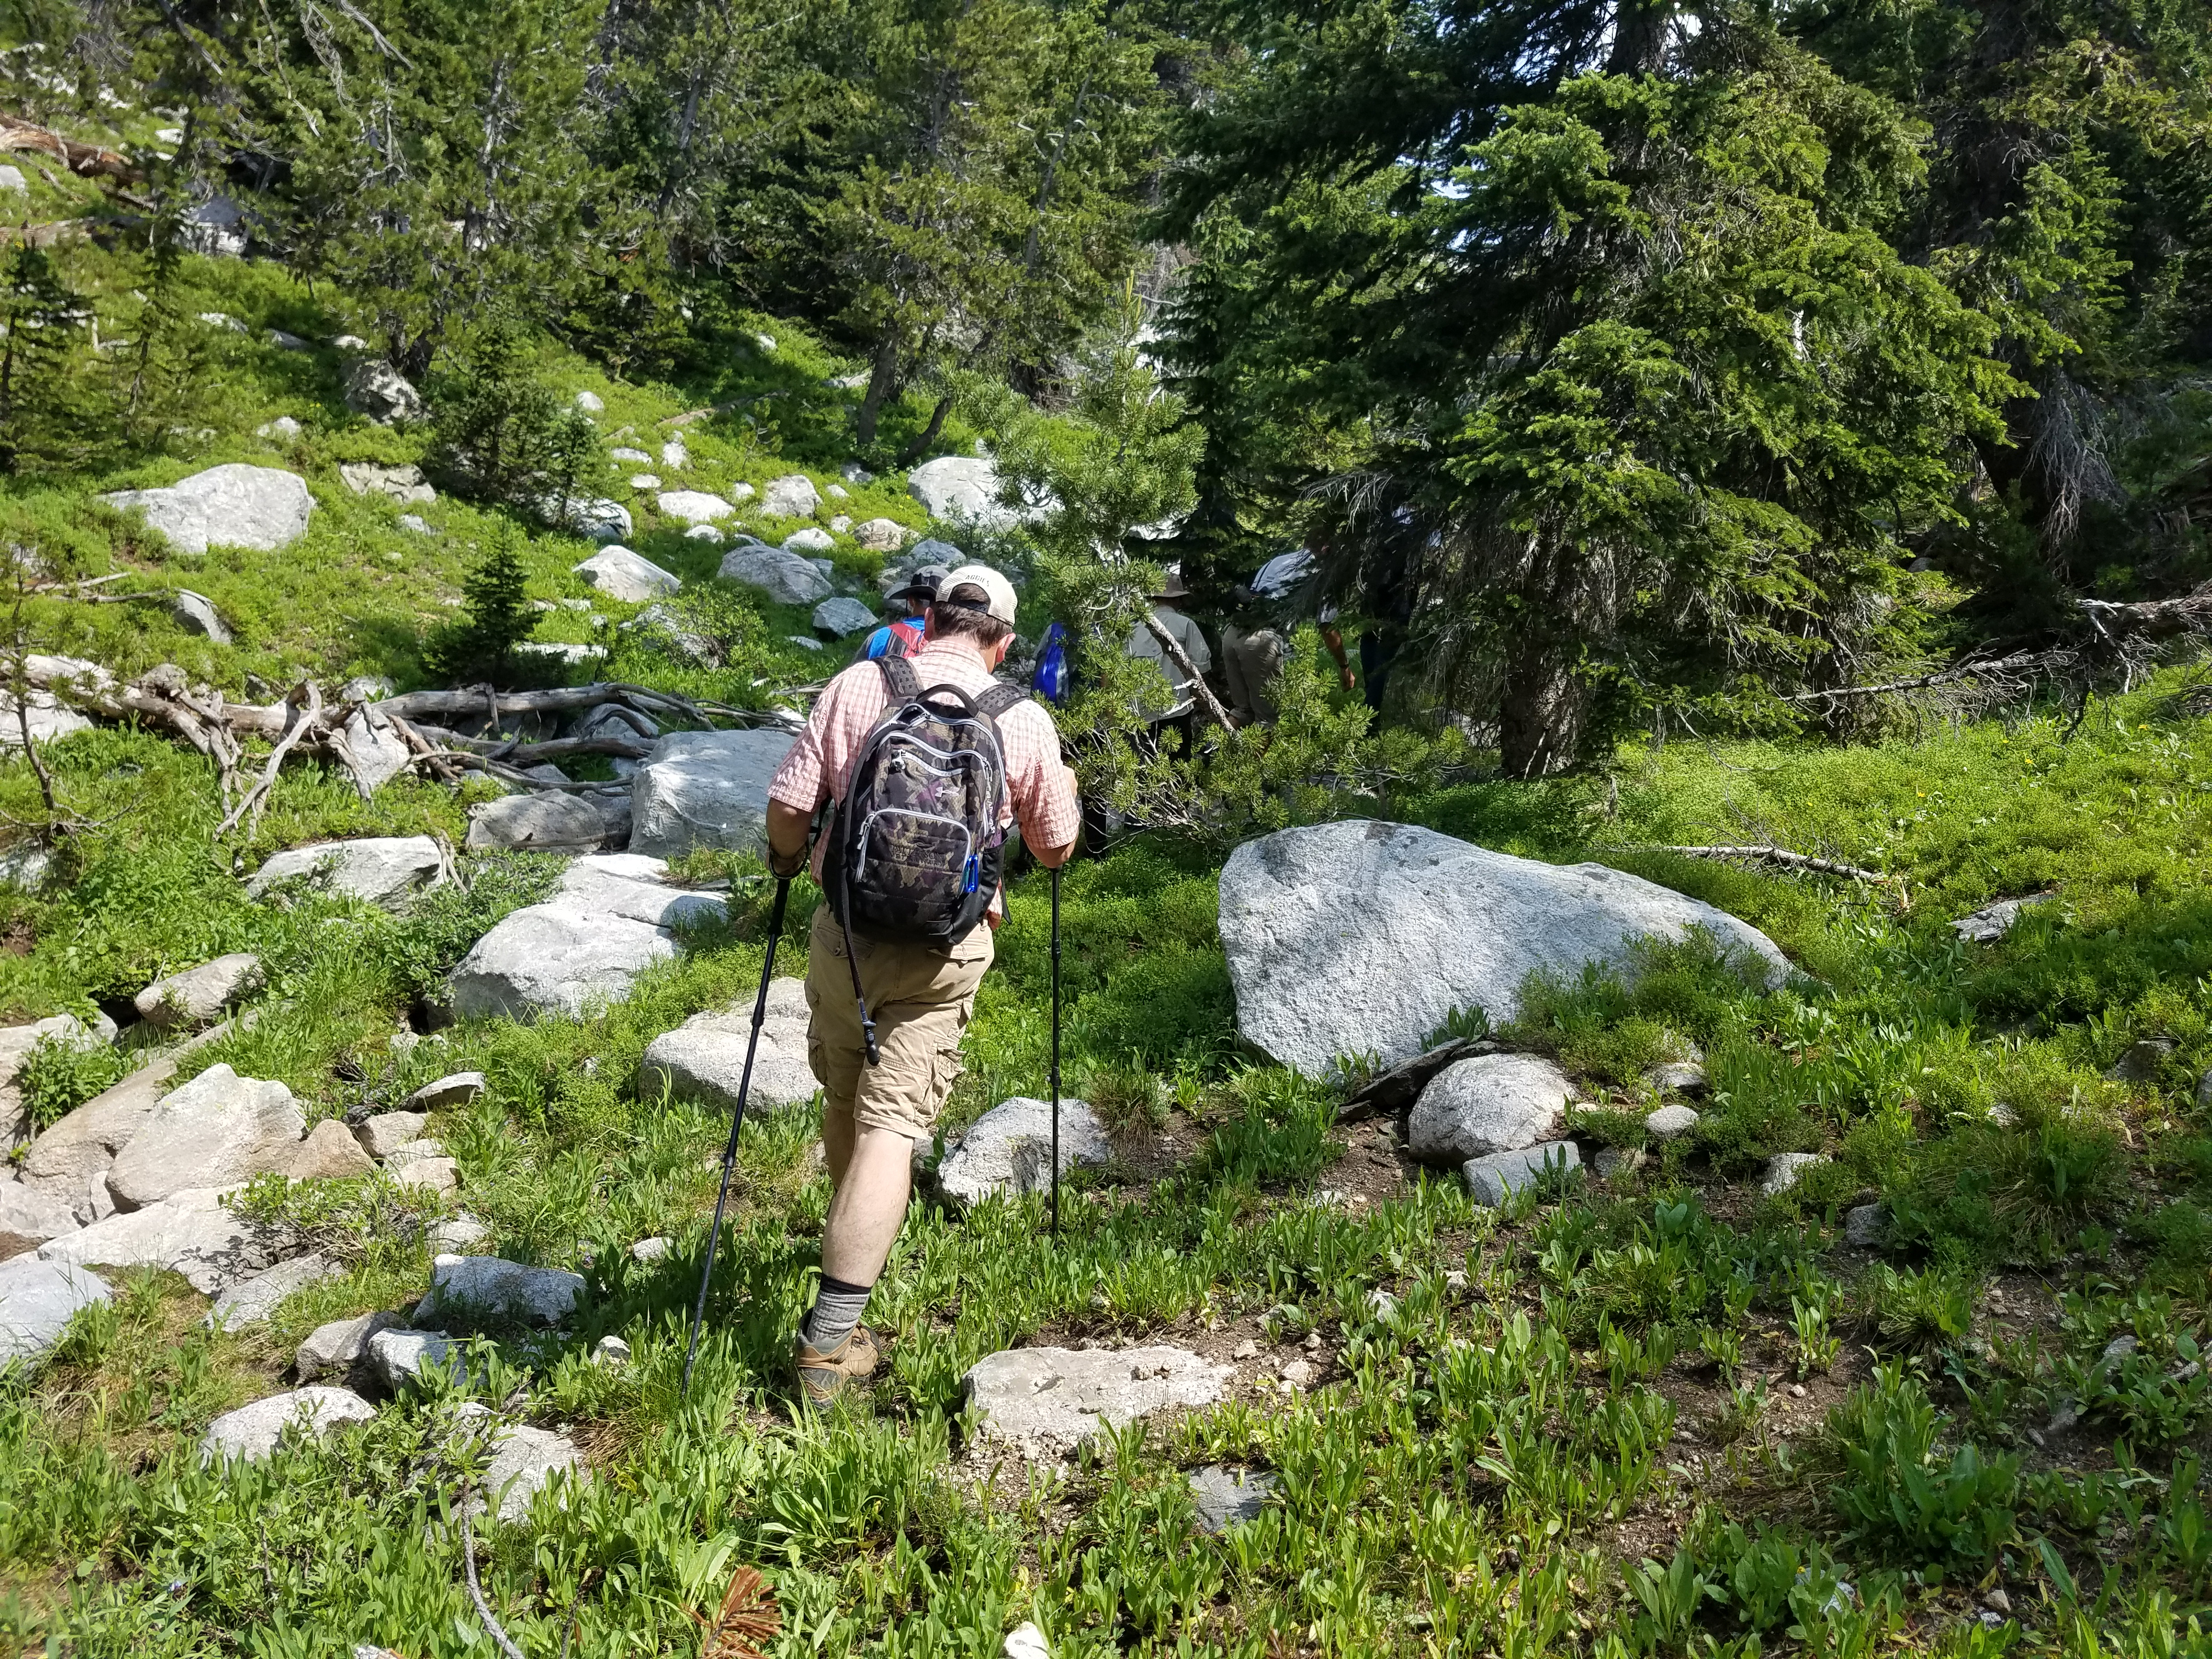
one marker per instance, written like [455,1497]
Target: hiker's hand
[784,867]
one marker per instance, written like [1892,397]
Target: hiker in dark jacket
[903,637]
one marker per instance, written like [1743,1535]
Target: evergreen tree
[502,433]
[44,405]
[479,646]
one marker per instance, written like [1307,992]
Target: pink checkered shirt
[1041,791]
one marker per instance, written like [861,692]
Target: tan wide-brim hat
[1171,586]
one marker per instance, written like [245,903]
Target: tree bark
[881,377]
[1539,715]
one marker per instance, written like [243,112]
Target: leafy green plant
[1918,1309]
[60,1074]
[1899,1496]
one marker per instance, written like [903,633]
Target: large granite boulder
[69,1160]
[1009,1149]
[29,1218]
[234,505]
[1361,938]
[630,577]
[37,1299]
[216,1131]
[614,914]
[1488,1103]
[384,870]
[251,1433]
[703,789]
[188,1232]
[784,577]
[704,1058]
[791,496]
[595,516]
[1048,1402]
[554,822]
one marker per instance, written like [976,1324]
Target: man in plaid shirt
[921,995]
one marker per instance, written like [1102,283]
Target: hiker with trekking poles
[926,761]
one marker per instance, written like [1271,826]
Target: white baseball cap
[998,593]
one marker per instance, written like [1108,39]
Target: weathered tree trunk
[882,379]
[1539,714]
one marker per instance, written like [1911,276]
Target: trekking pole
[737,1122]
[1055,1051]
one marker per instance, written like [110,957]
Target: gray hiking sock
[837,1308]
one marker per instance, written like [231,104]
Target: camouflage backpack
[915,847]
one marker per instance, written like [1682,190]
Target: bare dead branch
[1180,658]
[1783,857]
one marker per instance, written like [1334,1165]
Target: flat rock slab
[251,1433]
[555,822]
[384,1133]
[613,916]
[216,1131]
[1225,1497]
[1361,938]
[1488,1103]
[630,577]
[189,1232]
[183,1001]
[787,578]
[704,1058]
[251,1301]
[703,789]
[339,1348]
[489,1287]
[457,1089]
[1492,1180]
[1050,1400]
[1993,921]
[28,1218]
[524,1463]
[1009,1149]
[262,507]
[37,1299]
[383,870]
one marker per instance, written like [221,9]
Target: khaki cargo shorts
[921,998]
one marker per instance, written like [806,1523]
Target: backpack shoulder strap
[998,698]
[899,678]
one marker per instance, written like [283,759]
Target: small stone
[525,1461]
[791,496]
[2143,1061]
[282,430]
[1865,1225]
[1680,1077]
[251,1433]
[1455,1281]
[610,1351]
[1997,1601]
[1783,1169]
[1796,1390]
[1227,1498]
[810,541]
[1052,1400]
[1299,1373]
[1026,1641]
[1492,1179]
[396,1356]
[458,1090]
[1486,1104]
[590,402]
[1670,1123]
[1613,1161]
[437,1175]
[2119,1348]
[879,535]
[188,1000]
[1312,1344]
[487,1287]
[329,1153]
[1248,1349]
[456,1234]
[649,1249]
[335,1349]
[387,1132]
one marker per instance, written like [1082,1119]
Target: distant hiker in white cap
[928,761]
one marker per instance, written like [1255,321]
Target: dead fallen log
[85,160]
[2018,666]
[1783,858]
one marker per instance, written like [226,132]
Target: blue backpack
[1051,678]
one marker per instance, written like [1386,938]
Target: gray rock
[791,496]
[1783,1168]
[1298,1373]
[393,1357]
[784,577]
[457,1089]
[223,320]
[1492,1179]
[329,1153]
[489,1287]
[613,916]
[196,614]
[183,1001]
[251,1433]
[284,342]
[413,524]
[1677,1077]
[2143,1061]
[1226,1497]
[251,1301]
[842,616]
[1050,1400]
[71,1158]
[403,484]
[649,1249]
[50,718]
[703,532]
[704,789]
[1612,1161]
[12,178]
[622,575]
[282,430]
[704,1058]
[645,481]
[629,455]
[1865,1226]
[339,1348]
[375,388]
[961,489]
[234,505]
[674,455]
[1670,1123]
[525,1461]
[1993,921]
[37,1299]
[554,822]
[610,1351]
[805,641]
[590,403]
[457,1235]
[594,516]
[1360,937]
[1009,1149]
[430,1170]
[24,869]
[216,227]
[693,506]
[189,1232]
[1488,1103]
[383,870]
[16,1042]
[28,1219]
[379,753]
[809,541]
[879,535]
[384,1133]
[216,1131]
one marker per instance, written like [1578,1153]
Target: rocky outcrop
[260,508]
[216,1131]
[614,914]
[703,789]
[786,578]
[1048,1402]
[1361,938]
[382,870]
[704,1058]
[1488,1103]
[1009,1149]
[630,577]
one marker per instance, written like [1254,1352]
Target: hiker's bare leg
[870,1207]
[836,1139]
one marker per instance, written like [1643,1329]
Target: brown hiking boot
[823,1376]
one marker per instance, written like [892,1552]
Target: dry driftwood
[1180,658]
[86,161]
[1784,859]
